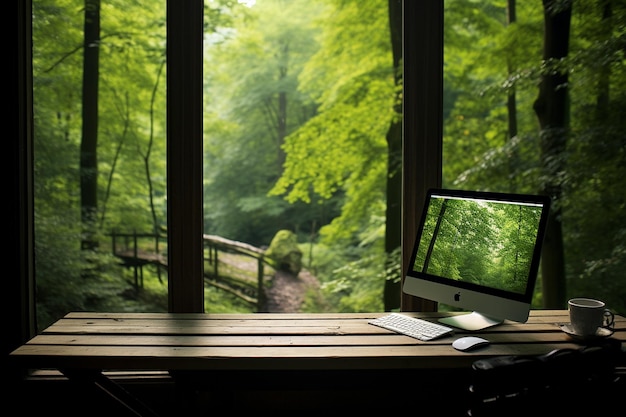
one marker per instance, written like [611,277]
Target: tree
[393,212]
[511,104]
[89,143]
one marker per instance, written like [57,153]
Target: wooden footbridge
[225,262]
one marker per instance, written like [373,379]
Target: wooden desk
[302,346]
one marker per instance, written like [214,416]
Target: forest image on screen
[481,242]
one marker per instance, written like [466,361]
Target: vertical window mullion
[422,121]
[184,155]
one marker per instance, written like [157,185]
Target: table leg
[112,389]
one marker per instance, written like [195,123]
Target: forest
[299,100]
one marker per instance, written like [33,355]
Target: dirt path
[287,292]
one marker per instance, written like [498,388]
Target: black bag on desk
[572,381]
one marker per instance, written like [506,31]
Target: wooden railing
[138,249]
[213,246]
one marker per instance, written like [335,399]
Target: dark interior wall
[15,300]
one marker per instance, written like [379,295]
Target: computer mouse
[469,343]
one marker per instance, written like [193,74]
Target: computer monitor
[478,251]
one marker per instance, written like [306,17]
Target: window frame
[184,156]
[19,291]
[422,148]
[422,122]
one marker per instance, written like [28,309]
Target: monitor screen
[478,251]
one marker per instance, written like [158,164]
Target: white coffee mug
[588,315]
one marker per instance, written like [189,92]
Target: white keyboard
[411,326]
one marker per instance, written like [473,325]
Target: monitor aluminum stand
[472,321]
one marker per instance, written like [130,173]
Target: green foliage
[352,277]
[479,154]
[58,264]
[342,149]
[69,279]
[252,76]
[215,301]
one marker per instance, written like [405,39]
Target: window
[184,123]
[185,209]
[423,150]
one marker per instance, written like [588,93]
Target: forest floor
[287,291]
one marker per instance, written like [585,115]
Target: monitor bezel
[492,302]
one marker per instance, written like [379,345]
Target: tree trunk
[602,101]
[393,226]
[89,142]
[511,104]
[551,107]
[282,111]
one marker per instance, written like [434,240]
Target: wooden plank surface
[191,341]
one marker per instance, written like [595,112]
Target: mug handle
[609,319]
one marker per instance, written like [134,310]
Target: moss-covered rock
[284,253]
